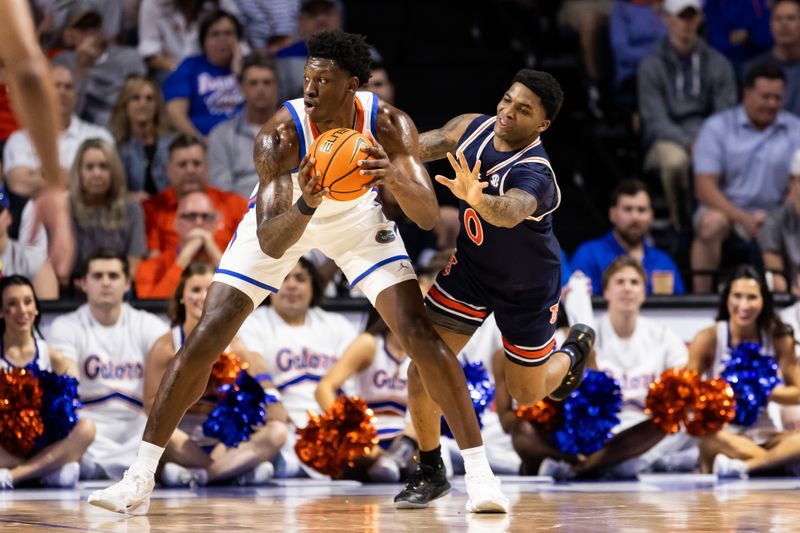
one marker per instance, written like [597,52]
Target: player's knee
[526,394]
[278,433]
[416,332]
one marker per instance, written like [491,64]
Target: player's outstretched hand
[308,179]
[378,165]
[466,185]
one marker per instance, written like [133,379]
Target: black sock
[432,458]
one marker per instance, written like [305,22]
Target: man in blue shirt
[741,166]
[631,216]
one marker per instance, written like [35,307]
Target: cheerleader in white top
[747,314]
[377,367]
[191,457]
[22,346]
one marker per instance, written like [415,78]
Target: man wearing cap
[681,82]
[100,67]
[780,238]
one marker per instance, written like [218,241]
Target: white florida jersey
[297,357]
[384,386]
[110,370]
[637,361]
[366,112]
[42,357]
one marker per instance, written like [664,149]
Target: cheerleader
[191,457]
[23,346]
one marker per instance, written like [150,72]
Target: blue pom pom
[60,404]
[239,410]
[752,377]
[589,414]
[481,391]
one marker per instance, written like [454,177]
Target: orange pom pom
[670,396]
[335,440]
[714,408]
[224,372]
[20,419]
[544,413]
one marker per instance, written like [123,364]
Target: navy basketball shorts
[526,316]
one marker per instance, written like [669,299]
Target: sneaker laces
[419,477]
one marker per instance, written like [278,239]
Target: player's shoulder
[280,135]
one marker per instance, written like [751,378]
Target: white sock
[475,462]
[148,457]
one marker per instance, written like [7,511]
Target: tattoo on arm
[509,210]
[435,144]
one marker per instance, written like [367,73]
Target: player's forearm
[502,211]
[434,145]
[278,234]
[418,203]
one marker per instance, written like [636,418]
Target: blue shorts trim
[248,279]
[376,266]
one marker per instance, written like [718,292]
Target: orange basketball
[337,153]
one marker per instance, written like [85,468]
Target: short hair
[776,2]
[107,253]
[348,50]
[256,60]
[546,87]
[630,187]
[211,19]
[620,262]
[182,140]
[176,310]
[767,70]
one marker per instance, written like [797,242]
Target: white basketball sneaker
[484,494]
[129,496]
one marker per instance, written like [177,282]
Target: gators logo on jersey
[385,236]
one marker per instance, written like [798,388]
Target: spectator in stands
[741,164]
[109,341]
[139,124]
[187,170]
[635,351]
[315,16]
[681,82]
[168,31]
[300,342]
[202,91]
[631,216]
[21,165]
[60,15]
[746,313]
[23,257]
[738,29]
[780,237]
[588,18]
[380,84]
[186,460]
[102,214]
[230,144]
[100,67]
[785,25]
[24,347]
[194,224]
[634,28]
[267,23]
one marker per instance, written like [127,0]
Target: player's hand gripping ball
[336,154]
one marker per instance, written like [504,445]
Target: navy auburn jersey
[527,254]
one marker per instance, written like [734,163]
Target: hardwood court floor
[657,503]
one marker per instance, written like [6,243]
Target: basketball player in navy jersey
[290,218]
[28,79]
[507,261]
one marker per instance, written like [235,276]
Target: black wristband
[303,207]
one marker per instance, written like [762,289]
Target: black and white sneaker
[579,344]
[424,485]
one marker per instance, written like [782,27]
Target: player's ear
[353,84]
[544,125]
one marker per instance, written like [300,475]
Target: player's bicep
[525,201]
[435,144]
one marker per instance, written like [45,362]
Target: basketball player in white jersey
[298,342]
[109,341]
[191,457]
[746,313]
[635,351]
[22,346]
[31,86]
[291,218]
